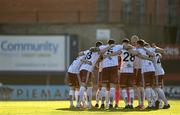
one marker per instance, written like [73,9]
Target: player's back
[146,65]
[113,61]
[75,66]
[91,57]
[158,65]
[127,59]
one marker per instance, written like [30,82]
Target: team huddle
[133,65]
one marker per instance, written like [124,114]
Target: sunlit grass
[62,107]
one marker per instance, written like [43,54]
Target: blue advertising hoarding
[35,92]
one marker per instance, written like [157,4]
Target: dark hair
[98,43]
[94,49]
[140,42]
[125,41]
[111,41]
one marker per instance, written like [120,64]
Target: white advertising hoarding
[32,53]
[103,34]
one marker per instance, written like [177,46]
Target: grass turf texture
[62,107]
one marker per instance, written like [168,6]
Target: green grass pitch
[62,108]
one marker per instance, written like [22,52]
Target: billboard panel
[172,52]
[34,92]
[32,53]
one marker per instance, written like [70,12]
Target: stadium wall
[87,32]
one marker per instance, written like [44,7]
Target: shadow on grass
[120,109]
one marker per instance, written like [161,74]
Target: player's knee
[82,89]
[89,90]
[123,87]
[112,85]
[131,88]
[103,91]
[71,88]
[89,84]
[112,92]
[103,84]
[107,85]
[71,91]
[131,92]
[77,89]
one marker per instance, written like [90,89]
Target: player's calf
[111,97]
[117,96]
[125,97]
[131,94]
[89,97]
[97,97]
[149,97]
[80,96]
[71,97]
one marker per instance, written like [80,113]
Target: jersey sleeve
[86,51]
[102,47]
[153,49]
[119,47]
[139,51]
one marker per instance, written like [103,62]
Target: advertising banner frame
[55,70]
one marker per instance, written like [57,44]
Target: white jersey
[127,60]
[92,57]
[114,59]
[157,64]
[76,64]
[146,65]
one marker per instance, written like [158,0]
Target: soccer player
[158,71]
[127,76]
[127,57]
[148,71]
[98,96]
[127,73]
[138,76]
[109,73]
[99,69]
[73,78]
[159,77]
[86,69]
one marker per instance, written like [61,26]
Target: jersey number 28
[128,57]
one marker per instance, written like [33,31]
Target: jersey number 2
[158,58]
